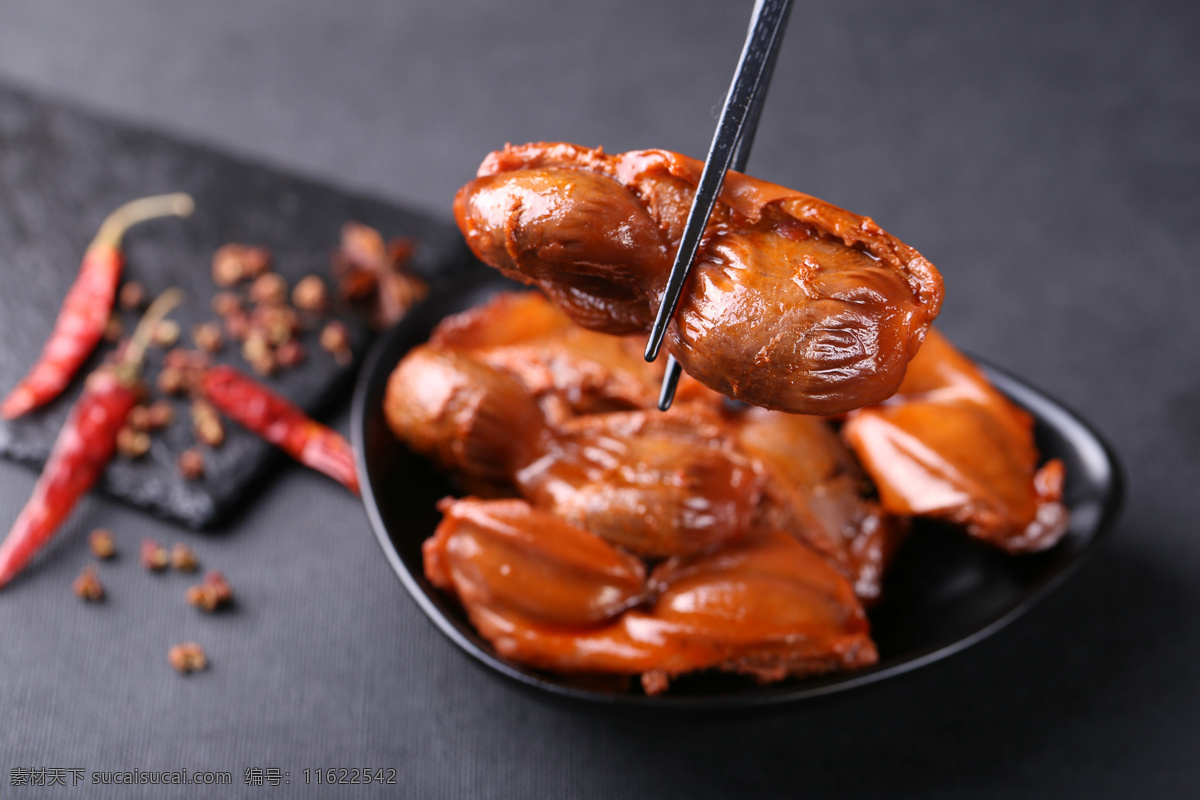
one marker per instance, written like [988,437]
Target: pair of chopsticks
[730,149]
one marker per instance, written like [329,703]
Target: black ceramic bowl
[943,593]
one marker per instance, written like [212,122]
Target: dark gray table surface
[1045,156]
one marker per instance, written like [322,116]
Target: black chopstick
[730,149]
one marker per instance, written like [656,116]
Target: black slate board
[63,170]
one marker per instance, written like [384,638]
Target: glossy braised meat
[569,369]
[952,447]
[766,607]
[817,491]
[767,523]
[793,304]
[506,555]
[657,484]
[465,415]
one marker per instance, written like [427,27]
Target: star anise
[372,273]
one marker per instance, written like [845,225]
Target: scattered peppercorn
[187,657]
[170,380]
[160,414]
[206,423]
[132,296]
[213,593]
[237,325]
[183,559]
[88,586]
[139,418]
[226,303]
[113,329]
[336,340]
[235,262]
[226,267]
[153,556]
[177,358]
[269,288]
[310,294]
[132,443]
[290,354]
[258,354]
[277,323]
[260,264]
[191,464]
[186,368]
[101,543]
[166,333]
[207,336]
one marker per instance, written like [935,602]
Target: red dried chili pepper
[84,446]
[278,421]
[87,306]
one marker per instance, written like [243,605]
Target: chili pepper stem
[134,352]
[112,230]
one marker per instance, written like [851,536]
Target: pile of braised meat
[602,536]
[606,537]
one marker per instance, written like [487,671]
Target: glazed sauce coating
[463,414]
[505,554]
[761,531]
[817,491]
[793,303]
[524,336]
[950,446]
[771,607]
[767,607]
[658,485]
